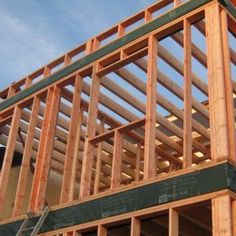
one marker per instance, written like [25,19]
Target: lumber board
[8,157]
[221,216]
[173,222]
[117,160]
[38,191]
[150,125]
[24,172]
[71,142]
[91,131]
[217,96]
[135,227]
[228,86]
[187,158]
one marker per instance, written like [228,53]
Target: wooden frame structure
[148,100]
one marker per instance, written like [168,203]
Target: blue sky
[34,32]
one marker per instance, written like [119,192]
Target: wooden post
[11,91]
[117,160]
[8,157]
[71,141]
[150,125]
[234,216]
[28,82]
[67,60]
[138,160]
[187,161]
[27,154]
[47,71]
[102,231]
[99,161]
[121,30]
[86,174]
[221,216]
[76,155]
[135,227]
[173,222]
[38,192]
[148,16]
[89,46]
[177,3]
[217,99]
[228,86]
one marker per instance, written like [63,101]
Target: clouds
[23,48]
[22,36]
[35,32]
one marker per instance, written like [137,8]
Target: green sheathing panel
[130,37]
[208,180]
[229,6]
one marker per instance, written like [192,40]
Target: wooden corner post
[228,86]
[89,149]
[150,126]
[217,98]
[38,192]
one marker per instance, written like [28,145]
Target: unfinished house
[131,133]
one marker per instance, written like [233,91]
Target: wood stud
[187,96]
[150,126]
[8,157]
[37,199]
[91,130]
[74,128]
[217,97]
[25,167]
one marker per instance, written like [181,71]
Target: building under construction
[131,133]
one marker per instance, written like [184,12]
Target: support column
[233,205]
[71,142]
[217,99]
[76,161]
[43,160]
[117,160]
[138,162]
[187,161]
[86,175]
[102,231]
[228,86]
[150,126]
[27,154]
[8,157]
[135,227]
[173,222]
[221,216]
[99,160]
